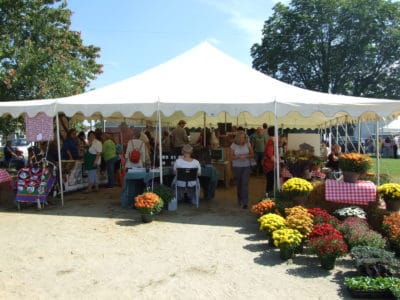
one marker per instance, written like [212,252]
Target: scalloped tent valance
[206,86]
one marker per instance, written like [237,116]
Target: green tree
[40,57]
[349,47]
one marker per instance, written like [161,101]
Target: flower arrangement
[354,162]
[323,229]
[271,222]
[350,211]
[287,238]
[357,233]
[263,207]
[331,245]
[149,203]
[297,187]
[322,216]
[391,227]
[300,219]
[389,191]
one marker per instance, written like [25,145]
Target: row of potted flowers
[331,237]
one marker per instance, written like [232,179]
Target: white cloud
[247,16]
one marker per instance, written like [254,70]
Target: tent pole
[160,141]
[204,130]
[359,135]
[277,158]
[378,162]
[59,160]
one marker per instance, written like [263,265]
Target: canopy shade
[206,82]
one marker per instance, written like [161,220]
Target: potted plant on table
[353,165]
[148,204]
[297,189]
[390,192]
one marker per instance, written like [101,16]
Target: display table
[359,193]
[224,169]
[135,181]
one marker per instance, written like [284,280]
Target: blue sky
[135,35]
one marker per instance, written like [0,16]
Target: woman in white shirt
[92,160]
[186,161]
[138,144]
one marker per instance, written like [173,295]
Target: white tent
[205,86]
[205,80]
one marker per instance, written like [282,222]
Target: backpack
[134,156]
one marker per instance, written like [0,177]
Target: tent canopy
[205,86]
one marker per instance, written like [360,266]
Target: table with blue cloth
[135,182]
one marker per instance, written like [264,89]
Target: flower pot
[328,262]
[350,177]
[286,253]
[173,204]
[393,205]
[147,218]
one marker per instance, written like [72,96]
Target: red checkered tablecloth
[359,193]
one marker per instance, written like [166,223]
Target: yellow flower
[297,187]
[389,191]
[271,222]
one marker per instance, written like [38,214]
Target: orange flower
[263,207]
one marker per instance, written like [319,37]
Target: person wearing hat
[186,161]
[179,137]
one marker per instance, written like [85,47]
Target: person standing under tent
[92,161]
[269,161]
[110,157]
[258,142]
[135,144]
[240,153]
[69,149]
[179,137]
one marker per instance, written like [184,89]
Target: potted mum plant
[148,204]
[391,227]
[390,192]
[271,222]
[263,207]
[287,240]
[353,165]
[297,189]
[327,243]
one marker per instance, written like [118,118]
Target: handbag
[253,162]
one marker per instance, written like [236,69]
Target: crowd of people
[248,152]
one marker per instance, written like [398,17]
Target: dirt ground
[93,248]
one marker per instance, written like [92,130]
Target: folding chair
[187,175]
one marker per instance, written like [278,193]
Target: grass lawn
[390,166]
